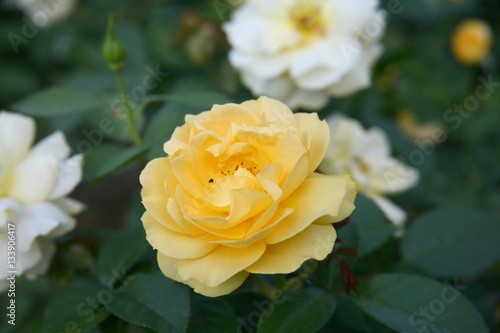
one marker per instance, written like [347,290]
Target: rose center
[307,17]
[230,168]
[363,166]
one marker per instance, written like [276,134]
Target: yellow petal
[158,210]
[261,234]
[220,264]
[270,110]
[317,135]
[317,196]
[152,178]
[169,267]
[174,244]
[315,242]
[297,176]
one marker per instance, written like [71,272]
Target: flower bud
[471,41]
[113,50]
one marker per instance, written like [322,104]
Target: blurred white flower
[303,52]
[44,12]
[366,156]
[34,183]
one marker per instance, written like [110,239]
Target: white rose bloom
[303,52]
[366,156]
[34,183]
[44,12]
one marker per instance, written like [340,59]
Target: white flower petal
[373,147]
[69,206]
[53,145]
[359,77]
[36,220]
[34,179]
[393,212]
[69,175]
[47,250]
[17,133]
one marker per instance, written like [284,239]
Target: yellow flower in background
[471,42]
[366,156]
[414,130]
[34,183]
[303,52]
[238,194]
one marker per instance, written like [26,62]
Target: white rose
[303,52]
[34,183]
[366,156]
[44,12]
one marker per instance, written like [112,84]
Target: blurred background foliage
[59,76]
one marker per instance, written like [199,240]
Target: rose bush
[34,184]
[238,194]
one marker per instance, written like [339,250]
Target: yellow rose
[471,41]
[238,194]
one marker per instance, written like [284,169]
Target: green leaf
[58,101]
[301,311]
[153,301]
[112,159]
[212,315]
[119,254]
[452,241]
[410,303]
[75,308]
[163,124]
[373,227]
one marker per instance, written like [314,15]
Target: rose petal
[17,133]
[317,196]
[314,242]
[174,244]
[220,264]
[69,176]
[169,267]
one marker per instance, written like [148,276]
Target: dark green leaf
[373,227]
[153,301]
[58,101]
[76,308]
[212,315]
[452,241]
[119,254]
[410,303]
[301,311]
[163,124]
[111,159]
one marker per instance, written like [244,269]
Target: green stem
[130,113]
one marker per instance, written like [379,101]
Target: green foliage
[211,316]
[372,226]
[153,301]
[58,101]
[452,241]
[70,310]
[415,304]
[119,254]
[302,311]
